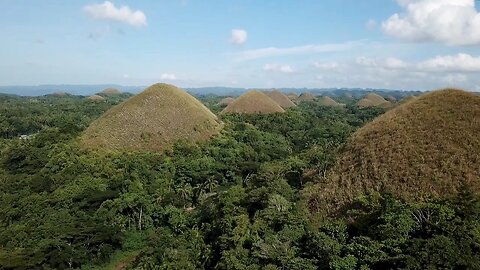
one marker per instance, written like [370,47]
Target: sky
[392,44]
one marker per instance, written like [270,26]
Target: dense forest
[237,201]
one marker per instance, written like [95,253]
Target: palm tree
[186,192]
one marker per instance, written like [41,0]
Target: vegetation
[152,120]
[253,102]
[237,201]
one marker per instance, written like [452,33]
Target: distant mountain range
[38,90]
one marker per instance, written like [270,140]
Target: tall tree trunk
[140,218]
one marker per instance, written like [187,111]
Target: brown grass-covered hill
[328,101]
[253,102]
[407,99]
[96,98]
[292,96]
[224,102]
[373,100]
[305,96]
[280,98]
[391,98]
[152,120]
[425,148]
[60,94]
[110,92]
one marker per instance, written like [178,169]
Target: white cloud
[455,79]
[453,22]
[392,62]
[460,62]
[446,63]
[108,11]
[366,62]
[278,68]
[387,63]
[327,66]
[239,36]
[306,49]
[168,77]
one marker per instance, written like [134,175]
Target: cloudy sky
[396,44]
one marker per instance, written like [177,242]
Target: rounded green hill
[152,120]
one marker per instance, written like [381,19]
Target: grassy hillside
[306,96]
[428,147]
[280,98]
[373,100]
[253,102]
[152,120]
[328,101]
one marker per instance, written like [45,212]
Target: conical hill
[280,98]
[428,147]
[152,120]
[253,102]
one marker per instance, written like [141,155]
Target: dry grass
[110,92]
[280,98]
[425,148]
[391,98]
[96,98]
[407,99]
[292,96]
[306,96]
[373,100]
[60,94]
[328,101]
[226,101]
[152,120]
[253,102]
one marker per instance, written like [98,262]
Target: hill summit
[305,96]
[280,98]
[224,102]
[95,98]
[373,100]
[152,120]
[328,101]
[428,147]
[110,92]
[253,102]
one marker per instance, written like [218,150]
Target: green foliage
[231,203]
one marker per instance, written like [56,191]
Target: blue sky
[403,44]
